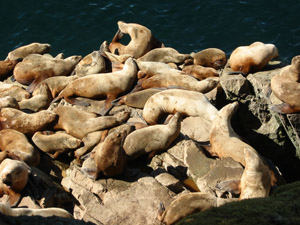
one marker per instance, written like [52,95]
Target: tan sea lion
[188,204]
[7,67]
[200,72]
[36,68]
[13,179]
[226,143]
[108,85]
[152,139]
[8,102]
[14,144]
[14,91]
[110,158]
[55,143]
[286,87]
[210,57]
[40,99]
[165,55]
[252,58]
[45,212]
[90,141]
[90,64]
[24,122]
[25,50]
[79,123]
[191,103]
[142,40]
[181,81]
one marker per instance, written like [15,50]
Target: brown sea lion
[24,122]
[226,143]
[55,143]
[7,67]
[110,158]
[181,81]
[152,139]
[25,50]
[200,72]
[9,102]
[286,87]
[191,103]
[108,85]
[36,68]
[13,179]
[252,58]
[46,212]
[16,145]
[90,64]
[165,55]
[14,91]
[210,57]
[89,142]
[142,40]
[79,123]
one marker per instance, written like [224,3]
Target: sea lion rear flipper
[283,108]
[34,84]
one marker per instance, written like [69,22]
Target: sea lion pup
[40,100]
[142,40]
[226,143]
[7,67]
[108,85]
[16,145]
[13,179]
[152,139]
[190,103]
[33,48]
[110,157]
[90,64]
[8,102]
[14,91]
[200,72]
[79,123]
[55,84]
[36,68]
[210,57]
[55,143]
[180,81]
[252,58]
[46,212]
[24,122]
[165,55]
[286,87]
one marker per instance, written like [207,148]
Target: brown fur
[6,68]
[200,72]
[210,57]
[14,91]
[90,64]
[8,102]
[23,51]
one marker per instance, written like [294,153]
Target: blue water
[78,27]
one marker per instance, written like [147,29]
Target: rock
[169,181]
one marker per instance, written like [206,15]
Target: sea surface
[77,27]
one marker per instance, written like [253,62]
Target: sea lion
[79,123]
[108,85]
[110,158]
[152,139]
[40,99]
[23,122]
[188,204]
[90,64]
[210,57]
[142,40]
[7,67]
[200,72]
[181,81]
[25,50]
[226,143]
[55,143]
[165,55]
[13,179]
[8,102]
[36,68]
[14,91]
[89,142]
[191,103]
[46,212]
[16,145]
[252,58]
[286,87]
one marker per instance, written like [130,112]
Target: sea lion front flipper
[35,83]
[283,108]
